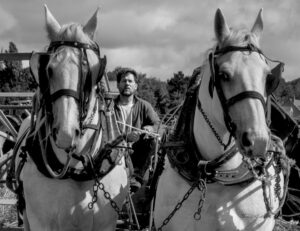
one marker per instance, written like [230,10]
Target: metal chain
[212,127]
[265,179]
[202,188]
[99,185]
[277,187]
[185,197]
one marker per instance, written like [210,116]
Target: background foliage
[163,95]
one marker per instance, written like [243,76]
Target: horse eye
[224,76]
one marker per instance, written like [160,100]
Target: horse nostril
[77,132]
[70,149]
[246,140]
[54,133]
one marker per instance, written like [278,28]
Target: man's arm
[152,120]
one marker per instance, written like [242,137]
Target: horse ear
[52,25]
[221,28]
[91,26]
[258,25]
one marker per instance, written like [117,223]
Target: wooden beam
[16,94]
[17,56]
[7,124]
[3,107]
[12,229]
[8,201]
[6,136]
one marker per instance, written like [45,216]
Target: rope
[139,130]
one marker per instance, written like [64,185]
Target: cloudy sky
[157,37]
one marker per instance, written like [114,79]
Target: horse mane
[71,32]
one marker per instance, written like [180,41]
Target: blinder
[38,63]
[273,79]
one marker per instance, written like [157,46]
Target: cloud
[7,21]
[157,37]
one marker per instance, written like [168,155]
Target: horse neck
[205,139]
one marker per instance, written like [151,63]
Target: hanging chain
[265,178]
[202,187]
[99,185]
[212,127]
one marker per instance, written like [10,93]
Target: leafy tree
[177,87]
[112,75]
[162,98]
[146,89]
[13,78]
[284,91]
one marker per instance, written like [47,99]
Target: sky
[157,37]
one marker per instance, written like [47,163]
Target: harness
[97,162]
[184,155]
[186,159]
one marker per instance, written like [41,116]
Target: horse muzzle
[254,143]
[64,138]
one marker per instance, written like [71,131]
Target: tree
[162,98]
[13,78]
[177,87]
[112,75]
[146,89]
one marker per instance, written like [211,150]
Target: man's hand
[148,128]
[133,137]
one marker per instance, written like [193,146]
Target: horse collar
[181,147]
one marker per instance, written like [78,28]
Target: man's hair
[125,71]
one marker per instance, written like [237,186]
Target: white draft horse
[220,172]
[74,175]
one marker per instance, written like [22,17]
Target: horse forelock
[240,37]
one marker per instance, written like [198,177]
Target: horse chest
[63,204]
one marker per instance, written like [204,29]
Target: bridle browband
[215,82]
[85,81]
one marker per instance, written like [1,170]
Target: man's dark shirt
[143,114]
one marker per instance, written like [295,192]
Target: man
[135,114]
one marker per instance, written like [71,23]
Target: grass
[8,213]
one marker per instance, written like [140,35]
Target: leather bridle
[215,81]
[85,81]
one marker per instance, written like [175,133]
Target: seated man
[135,114]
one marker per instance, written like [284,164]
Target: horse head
[68,76]
[242,80]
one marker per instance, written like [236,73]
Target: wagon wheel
[293,203]
[291,208]
[4,165]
